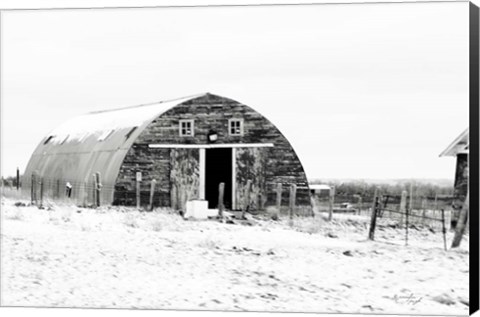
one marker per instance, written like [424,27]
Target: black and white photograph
[240,157]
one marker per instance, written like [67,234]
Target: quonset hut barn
[187,145]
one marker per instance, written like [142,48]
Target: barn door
[250,165]
[184,176]
[218,169]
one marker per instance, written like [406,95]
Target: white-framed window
[235,126]
[186,127]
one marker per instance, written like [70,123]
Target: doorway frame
[202,161]
[202,171]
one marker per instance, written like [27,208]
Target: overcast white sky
[361,91]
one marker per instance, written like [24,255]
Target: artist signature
[407,299]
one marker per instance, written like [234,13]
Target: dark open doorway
[218,169]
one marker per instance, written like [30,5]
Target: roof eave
[453,148]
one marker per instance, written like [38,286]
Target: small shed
[459,149]
[320,189]
[188,145]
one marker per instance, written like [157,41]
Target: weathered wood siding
[461,180]
[152,165]
[184,176]
[251,165]
[210,112]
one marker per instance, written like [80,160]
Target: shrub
[273,213]
[209,243]
[309,225]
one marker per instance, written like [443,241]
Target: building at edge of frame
[459,149]
[188,145]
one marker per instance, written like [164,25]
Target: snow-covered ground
[66,256]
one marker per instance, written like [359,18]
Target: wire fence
[398,211]
[92,192]
[407,217]
[432,212]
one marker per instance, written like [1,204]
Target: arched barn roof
[96,141]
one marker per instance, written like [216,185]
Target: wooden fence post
[312,201]
[382,205]
[331,202]
[403,206]
[94,191]
[173,197]
[35,192]
[98,187]
[314,204]
[57,195]
[279,197]
[407,211]
[462,219]
[41,192]
[373,219]
[18,179]
[359,205]
[85,194]
[32,189]
[448,219]
[261,203]
[246,198]
[424,210]
[406,225]
[291,209]
[444,231]
[435,206]
[221,188]
[152,192]
[180,198]
[410,205]
[138,182]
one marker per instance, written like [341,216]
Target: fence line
[378,210]
[92,191]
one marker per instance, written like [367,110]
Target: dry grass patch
[130,220]
[155,224]
[210,243]
[309,225]
[15,214]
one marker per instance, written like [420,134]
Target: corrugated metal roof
[96,141]
[101,123]
[459,145]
